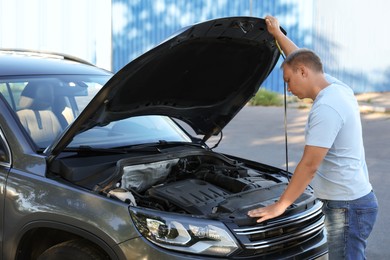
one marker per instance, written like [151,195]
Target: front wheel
[78,249]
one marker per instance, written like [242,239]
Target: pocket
[366,221]
[335,214]
[335,205]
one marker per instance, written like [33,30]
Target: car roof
[26,62]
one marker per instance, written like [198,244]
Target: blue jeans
[348,225]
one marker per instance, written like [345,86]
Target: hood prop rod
[285,111]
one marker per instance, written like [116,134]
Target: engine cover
[195,196]
[199,197]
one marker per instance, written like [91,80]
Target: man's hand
[273,25]
[303,174]
[273,28]
[271,211]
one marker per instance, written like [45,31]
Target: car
[99,165]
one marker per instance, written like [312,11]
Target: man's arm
[273,28]
[303,174]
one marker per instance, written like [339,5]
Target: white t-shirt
[334,123]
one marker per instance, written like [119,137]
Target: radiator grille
[282,233]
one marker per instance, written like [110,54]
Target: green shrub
[265,97]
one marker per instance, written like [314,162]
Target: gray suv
[101,166]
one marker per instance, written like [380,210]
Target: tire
[78,249]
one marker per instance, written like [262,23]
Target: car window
[46,105]
[4,150]
[11,92]
[132,131]
[83,100]
[54,102]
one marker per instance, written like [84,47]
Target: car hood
[202,75]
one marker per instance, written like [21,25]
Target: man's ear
[303,71]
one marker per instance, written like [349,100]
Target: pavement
[375,102]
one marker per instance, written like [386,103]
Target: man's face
[294,81]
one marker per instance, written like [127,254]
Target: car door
[5,156]
[4,169]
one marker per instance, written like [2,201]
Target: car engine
[197,185]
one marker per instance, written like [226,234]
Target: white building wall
[81,28]
[360,42]
[350,35]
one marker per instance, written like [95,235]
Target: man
[333,160]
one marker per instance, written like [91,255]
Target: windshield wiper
[160,146]
[164,144]
[143,148]
[118,150]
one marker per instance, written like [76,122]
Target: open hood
[203,75]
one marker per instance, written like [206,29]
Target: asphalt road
[257,133]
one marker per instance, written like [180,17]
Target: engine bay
[196,183]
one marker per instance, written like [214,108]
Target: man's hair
[303,57]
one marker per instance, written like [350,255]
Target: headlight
[183,233]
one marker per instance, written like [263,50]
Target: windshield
[131,131]
[47,104]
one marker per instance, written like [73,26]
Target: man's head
[304,57]
[303,73]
